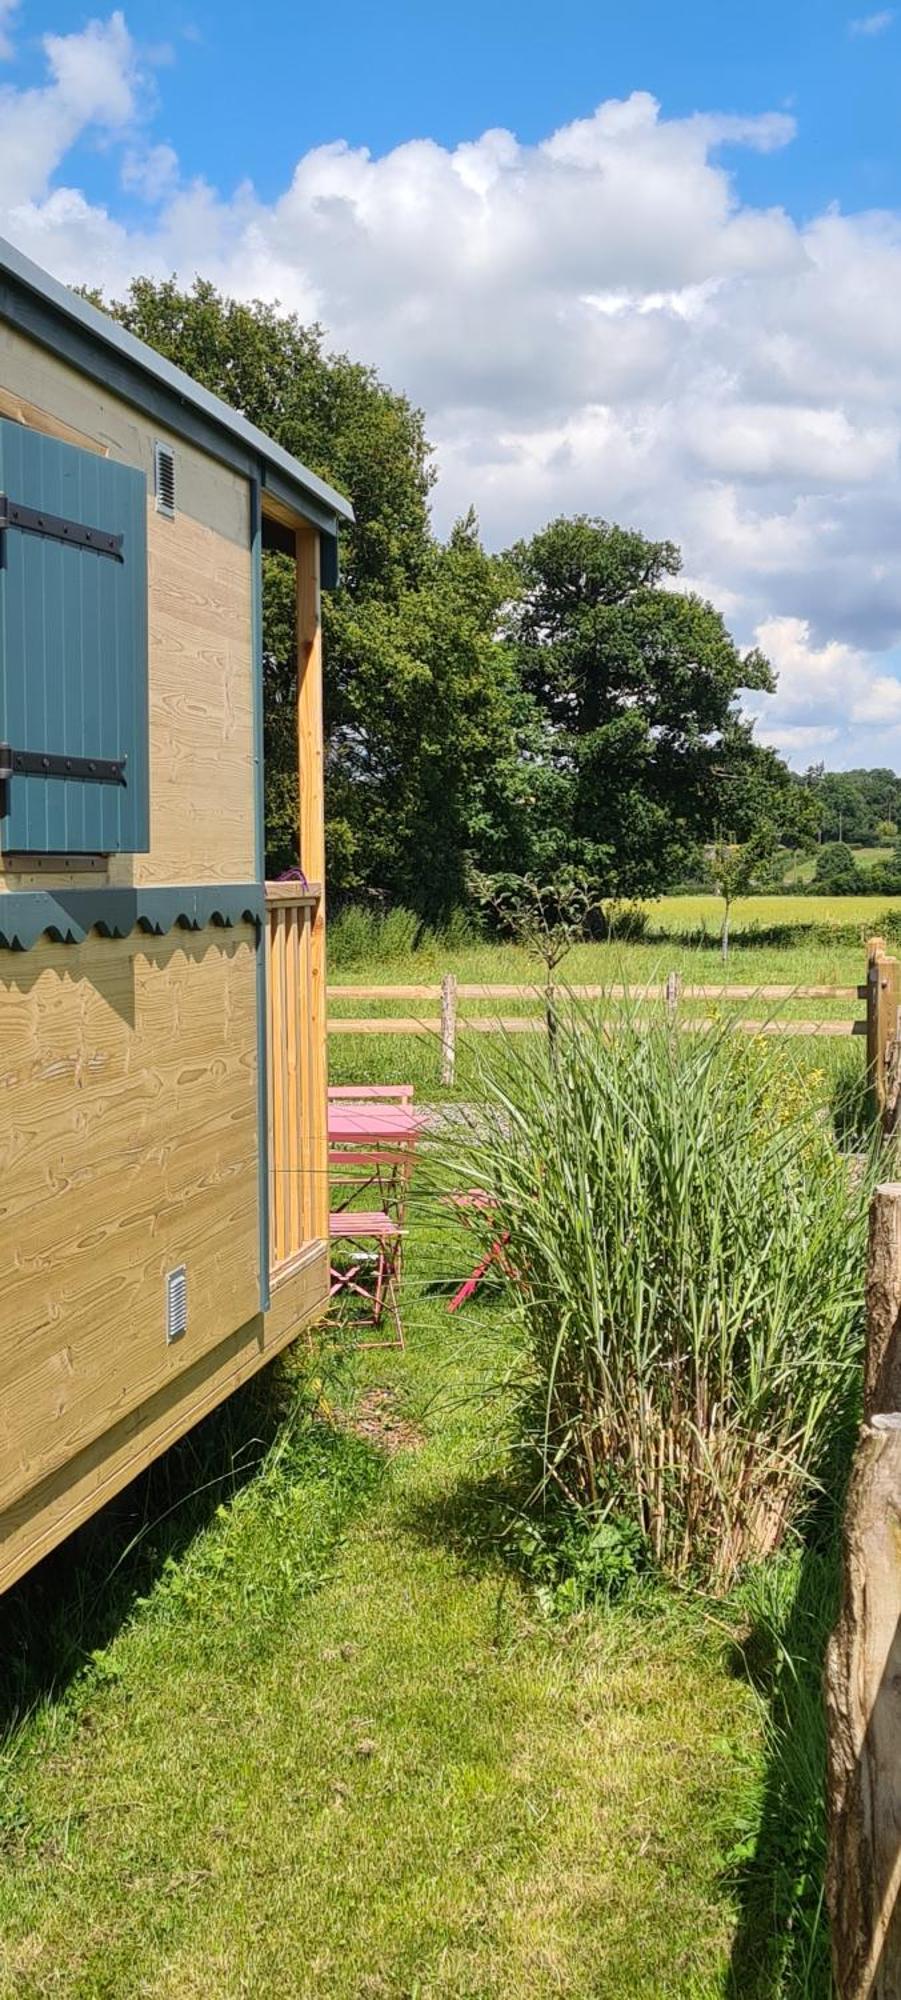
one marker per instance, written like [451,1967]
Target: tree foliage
[861,808]
[561,708]
[638,685]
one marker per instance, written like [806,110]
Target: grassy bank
[305,1732]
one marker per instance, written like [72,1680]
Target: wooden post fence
[882,1025]
[863,1665]
[883,991]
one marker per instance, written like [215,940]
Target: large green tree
[639,687]
[429,733]
[861,807]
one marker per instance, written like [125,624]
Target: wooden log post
[882,1364]
[863,1664]
[448,1027]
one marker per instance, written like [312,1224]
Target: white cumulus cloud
[597,321]
[872,24]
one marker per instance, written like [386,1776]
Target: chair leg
[383,1295]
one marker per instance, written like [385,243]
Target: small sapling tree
[733,866]
[546,919]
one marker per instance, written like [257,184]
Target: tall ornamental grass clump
[685,1251]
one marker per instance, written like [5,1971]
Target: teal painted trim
[285,490]
[329,562]
[69,915]
[101,348]
[259,820]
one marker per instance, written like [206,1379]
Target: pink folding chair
[372,1245]
[370,1162]
[476,1198]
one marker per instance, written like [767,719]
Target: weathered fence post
[672,995]
[882,1025]
[882,1367]
[448,1027]
[863,1663]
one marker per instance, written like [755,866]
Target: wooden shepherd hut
[163,1187]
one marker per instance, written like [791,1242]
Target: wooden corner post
[863,1663]
[311,784]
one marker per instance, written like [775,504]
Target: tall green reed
[685,1251]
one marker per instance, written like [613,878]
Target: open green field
[759,913]
[865,857]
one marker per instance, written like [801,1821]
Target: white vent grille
[176,1303]
[164,479]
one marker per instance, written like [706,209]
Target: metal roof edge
[98,327]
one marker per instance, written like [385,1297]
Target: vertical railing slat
[298,1184]
[293,1003]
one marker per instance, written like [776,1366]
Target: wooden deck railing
[298,1184]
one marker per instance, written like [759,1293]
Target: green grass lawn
[288,1724]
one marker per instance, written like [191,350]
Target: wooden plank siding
[40,1517]
[129,1146]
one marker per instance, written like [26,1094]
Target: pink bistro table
[372,1124]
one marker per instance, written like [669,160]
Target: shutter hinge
[33,521]
[46,764]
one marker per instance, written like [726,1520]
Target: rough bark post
[887,1030]
[882,1368]
[863,1706]
[448,1027]
[863,1665]
[882,1015]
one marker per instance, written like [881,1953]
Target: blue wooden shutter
[73,648]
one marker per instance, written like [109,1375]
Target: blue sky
[246,91]
[640,260]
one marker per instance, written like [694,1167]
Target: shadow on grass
[785,936]
[476,1519]
[781,1948]
[73,1602]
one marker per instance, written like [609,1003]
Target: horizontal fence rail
[525,1024]
[879,1025]
[651,990]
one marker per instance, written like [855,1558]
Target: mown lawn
[296,1728]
